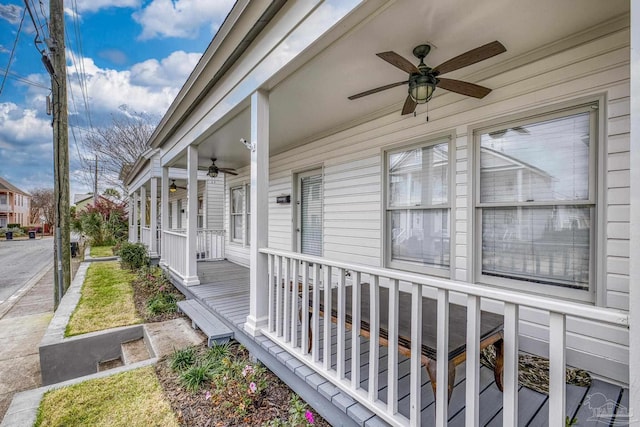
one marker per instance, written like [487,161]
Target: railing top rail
[174,233]
[570,308]
[145,228]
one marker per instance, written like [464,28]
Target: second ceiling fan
[423,80]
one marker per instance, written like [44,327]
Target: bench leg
[498,369]
[432,370]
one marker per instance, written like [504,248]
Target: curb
[13,299]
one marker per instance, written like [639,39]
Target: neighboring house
[15,204]
[518,202]
[82,201]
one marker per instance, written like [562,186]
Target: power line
[23,79]
[13,50]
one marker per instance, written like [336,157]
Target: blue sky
[132,52]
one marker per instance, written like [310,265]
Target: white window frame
[305,173]
[594,293]
[418,267]
[245,213]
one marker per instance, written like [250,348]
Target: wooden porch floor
[224,289]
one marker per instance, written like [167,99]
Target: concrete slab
[164,337]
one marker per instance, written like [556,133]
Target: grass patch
[130,399]
[106,300]
[101,251]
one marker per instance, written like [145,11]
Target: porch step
[207,322]
[134,351]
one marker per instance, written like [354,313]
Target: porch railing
[145,236]
[210,245]
[284,319]
[173,251]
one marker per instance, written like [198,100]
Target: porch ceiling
[313,100]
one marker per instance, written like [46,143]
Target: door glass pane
[236,227]
[420,236]
[539,244]
[311,215]
[544,161]
[419,177]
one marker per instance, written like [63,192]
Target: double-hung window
[536,202]
[418,207]
[240,214]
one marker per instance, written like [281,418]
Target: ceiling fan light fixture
[421,88]
[173,187]
[213,171]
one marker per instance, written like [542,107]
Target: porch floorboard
[224,289]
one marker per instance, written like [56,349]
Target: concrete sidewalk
[21,329]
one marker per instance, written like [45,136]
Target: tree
[42,206]
[119,144]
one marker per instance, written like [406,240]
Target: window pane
[542,244]
[420,236]
[419,177]
[311,215]
[236,227]
[544,161]
[237,200]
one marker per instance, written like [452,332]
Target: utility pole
[62,246]
[95,185]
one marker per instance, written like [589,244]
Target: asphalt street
[21,260]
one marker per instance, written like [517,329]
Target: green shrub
[162,302]
[133,255]
[14,225]
[182,359]
[194,377]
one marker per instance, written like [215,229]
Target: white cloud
[148,87]
[19,125]
[10,12]
[95,5]
[180,18]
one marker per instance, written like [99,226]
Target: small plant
[162,302]
[133,255]
[570,422]
[182,359]
[299,415]
[218,352]
[194,377]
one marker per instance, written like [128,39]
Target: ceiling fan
[423,80]
[214,170]
[173,187]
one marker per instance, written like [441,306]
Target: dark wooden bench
[490,329]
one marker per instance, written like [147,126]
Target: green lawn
[106,300]
[101,251]
[129,399]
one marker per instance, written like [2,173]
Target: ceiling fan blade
[378,89]
[464,88]
[229,171]
[409,106]
[471,57]
[394,59]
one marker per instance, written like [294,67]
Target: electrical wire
[13,50]
[23,79]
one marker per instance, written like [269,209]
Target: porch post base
[191,281]
[254,326]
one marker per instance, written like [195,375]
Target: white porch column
[164,211]
[153,223]
[192,216]
[136,215]
[143,212]
[258,276]
[634,246]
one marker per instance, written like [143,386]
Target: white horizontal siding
[214,203]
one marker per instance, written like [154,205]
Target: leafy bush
[162,302]
[299,415]
[194,377]
[105,224]
[182,359]
[133,255]
[14,225]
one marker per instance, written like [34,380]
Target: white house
[518,202]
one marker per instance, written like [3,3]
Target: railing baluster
[442,358]
[374,337]
[279,296]
[557,355]
[272,322]
[472,400]
[510,376]
[294,303]
[304,308]
[326,354]
[355,330]
[287,299]
[315,330]
[415,402]
[341,308]
[392,372]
